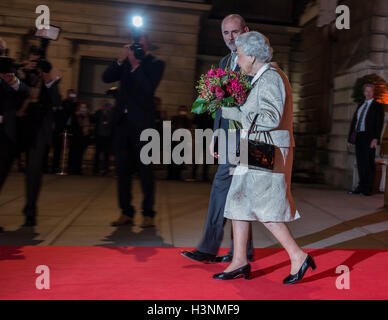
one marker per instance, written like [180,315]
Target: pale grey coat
[260,194]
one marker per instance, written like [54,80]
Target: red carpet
[149,273]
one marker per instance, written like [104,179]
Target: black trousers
[214,229]
[35,150]
[78,145]
[365,157]
[127,147]
[57,150]
[103,146]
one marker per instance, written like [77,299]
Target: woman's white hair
[255,44]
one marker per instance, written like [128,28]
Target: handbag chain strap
[267,135]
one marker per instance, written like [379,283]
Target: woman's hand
[211,149]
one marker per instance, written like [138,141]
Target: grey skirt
[263,195]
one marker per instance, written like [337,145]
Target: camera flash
[137,21]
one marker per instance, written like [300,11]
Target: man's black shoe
[229,258]
[355,191]
[1,230]
[367,194]
[30,222]
[199,256]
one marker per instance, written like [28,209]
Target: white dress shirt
[233,62]
[366,105]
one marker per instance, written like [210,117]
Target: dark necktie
[361,117]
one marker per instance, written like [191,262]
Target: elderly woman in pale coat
[260,194]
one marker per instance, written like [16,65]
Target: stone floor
[78,210]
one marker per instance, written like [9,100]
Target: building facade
[321,61]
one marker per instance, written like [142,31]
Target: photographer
[80,138]
[63,116]
[139,74]
[36,126]
[12,94]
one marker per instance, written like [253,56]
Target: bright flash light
[137,21]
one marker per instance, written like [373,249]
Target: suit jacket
[374,121]
[136,90]
[39,119]
[220,122]
[271,98]
[10,101]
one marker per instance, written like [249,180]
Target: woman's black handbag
[261,154]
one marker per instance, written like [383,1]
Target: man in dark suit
[12,94]
[133,113]
[34,133]
[365,133]
[232,26]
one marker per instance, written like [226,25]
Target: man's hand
[8,78]
[133,61]
[124,53]
[127,52]
[373,144]
[349,145]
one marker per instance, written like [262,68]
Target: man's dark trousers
[365,156]
[214,229]
[35,157]
[128,147]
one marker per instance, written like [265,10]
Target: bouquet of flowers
[220,88]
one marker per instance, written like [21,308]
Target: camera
[7,65]
[137,48]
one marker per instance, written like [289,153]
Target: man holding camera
[139,74]
[34,134]
[12,94]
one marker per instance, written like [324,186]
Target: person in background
[179,121]
[12,94]
[36,129]
[103,137]
[160,115]
[365,134]
[62,121]
[134,112]
[79,139]
[202,121]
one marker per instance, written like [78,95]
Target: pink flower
[211,73]
[213,88]
[219,93]
[220,72]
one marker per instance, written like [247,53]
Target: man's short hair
[243,23]
[370,85]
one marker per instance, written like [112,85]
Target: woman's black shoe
[228,258]
[243,271]
[293,278]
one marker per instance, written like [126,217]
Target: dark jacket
[39,116]
[103,123]
[136,90]
[374,122]
[10,101]
[64,115]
